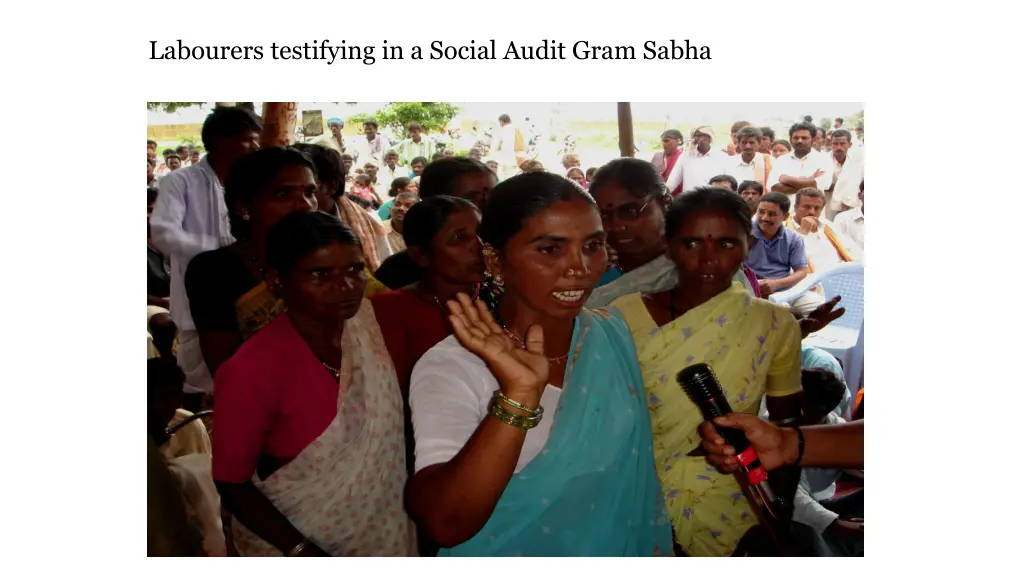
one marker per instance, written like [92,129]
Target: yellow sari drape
[754,348]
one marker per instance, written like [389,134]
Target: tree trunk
[278,124]
[626,147]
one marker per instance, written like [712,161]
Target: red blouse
[410,327]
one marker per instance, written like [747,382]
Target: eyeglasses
[626,212]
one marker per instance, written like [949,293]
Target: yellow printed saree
[754,348]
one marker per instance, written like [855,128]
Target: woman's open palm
[517,370]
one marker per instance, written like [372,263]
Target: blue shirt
[776,258]
[609,277]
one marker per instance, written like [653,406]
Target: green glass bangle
[525,422]
[498,395]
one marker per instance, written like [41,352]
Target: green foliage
[358,119]
[826,124]
[433,116]
[170,107]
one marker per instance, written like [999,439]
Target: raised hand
[522,373]
[821,316]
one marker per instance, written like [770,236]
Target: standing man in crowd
[390,171]
[704,162]
[191,217]
[801,168]
[333,139]
[751,193]
[414,146]
[749,164]
[841,142]
[372,145]
[509,147]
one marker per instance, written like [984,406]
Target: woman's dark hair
[672,133]
[803,126]
[163,378]
[707,198]
[515,200]
[426,218]
[750,184]
[300,233]
[784,143]
[327,166]
[227,122]
[418,160]
[398,184]
[766,131]
[250,173]
[439,178]
[398,271]
[777,198]
[822,389]
[639,177]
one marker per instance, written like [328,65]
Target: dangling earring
[498,281]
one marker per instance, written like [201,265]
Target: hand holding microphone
[700,384]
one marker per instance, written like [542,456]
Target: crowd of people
[424,353]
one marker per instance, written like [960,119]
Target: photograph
[505,329]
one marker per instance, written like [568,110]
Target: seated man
[777,257]
[724,181]
[825,246]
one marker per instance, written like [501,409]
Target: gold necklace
[332,370]
[522,345]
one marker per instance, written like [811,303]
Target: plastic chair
[844,337]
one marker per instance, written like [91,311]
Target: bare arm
[826,446]
[455,499]
[247,504]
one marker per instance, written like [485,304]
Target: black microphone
[700,384]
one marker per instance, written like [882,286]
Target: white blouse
[449,393]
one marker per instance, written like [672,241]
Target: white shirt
[735,166]
[790,165]
[699,169]
[367,149]
[848,184]
[189,218]
[449,393]
[503,148]
[851,224]
[821,254]
[385,176]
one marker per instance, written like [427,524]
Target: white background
[943,320]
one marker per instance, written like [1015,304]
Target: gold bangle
[525,422]
[298,548]
[500,396]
